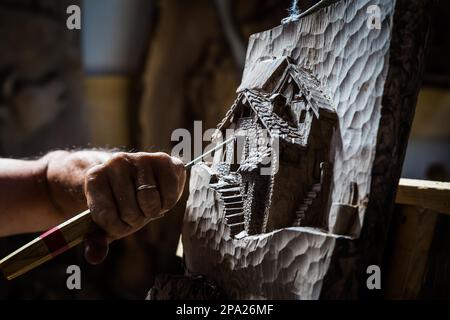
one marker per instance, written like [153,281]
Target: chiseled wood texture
[284,264]
[351,62]
[347,275]
[373,83]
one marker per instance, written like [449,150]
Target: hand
[128,191]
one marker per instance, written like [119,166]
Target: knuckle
[162,156]
[95,171]
[162,159]
[177,163]
[143,160]
[119,159]
[93,175]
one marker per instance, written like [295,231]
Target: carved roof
[262,106]
[269,74]
[311,88]
[265,79]
[261,76]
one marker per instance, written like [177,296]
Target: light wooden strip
[424,193]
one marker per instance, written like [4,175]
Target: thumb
[96,247]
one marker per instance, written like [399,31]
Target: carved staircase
[300,214]
[234,207]
[313,194]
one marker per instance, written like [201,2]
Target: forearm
[38,194]
[23,195]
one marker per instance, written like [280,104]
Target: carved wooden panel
[352,66]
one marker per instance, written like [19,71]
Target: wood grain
[288,263]
[347,275]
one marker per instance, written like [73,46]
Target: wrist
[65,175]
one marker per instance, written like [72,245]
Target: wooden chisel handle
[48,245]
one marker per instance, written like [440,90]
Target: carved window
[246,111]
[302,116]
[234,165]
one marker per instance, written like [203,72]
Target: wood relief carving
[315,87]
[286,103]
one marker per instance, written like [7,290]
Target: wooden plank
[437,278]
[412,235]
[427,194]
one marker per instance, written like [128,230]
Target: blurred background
[135,71]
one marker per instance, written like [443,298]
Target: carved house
[276,173]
